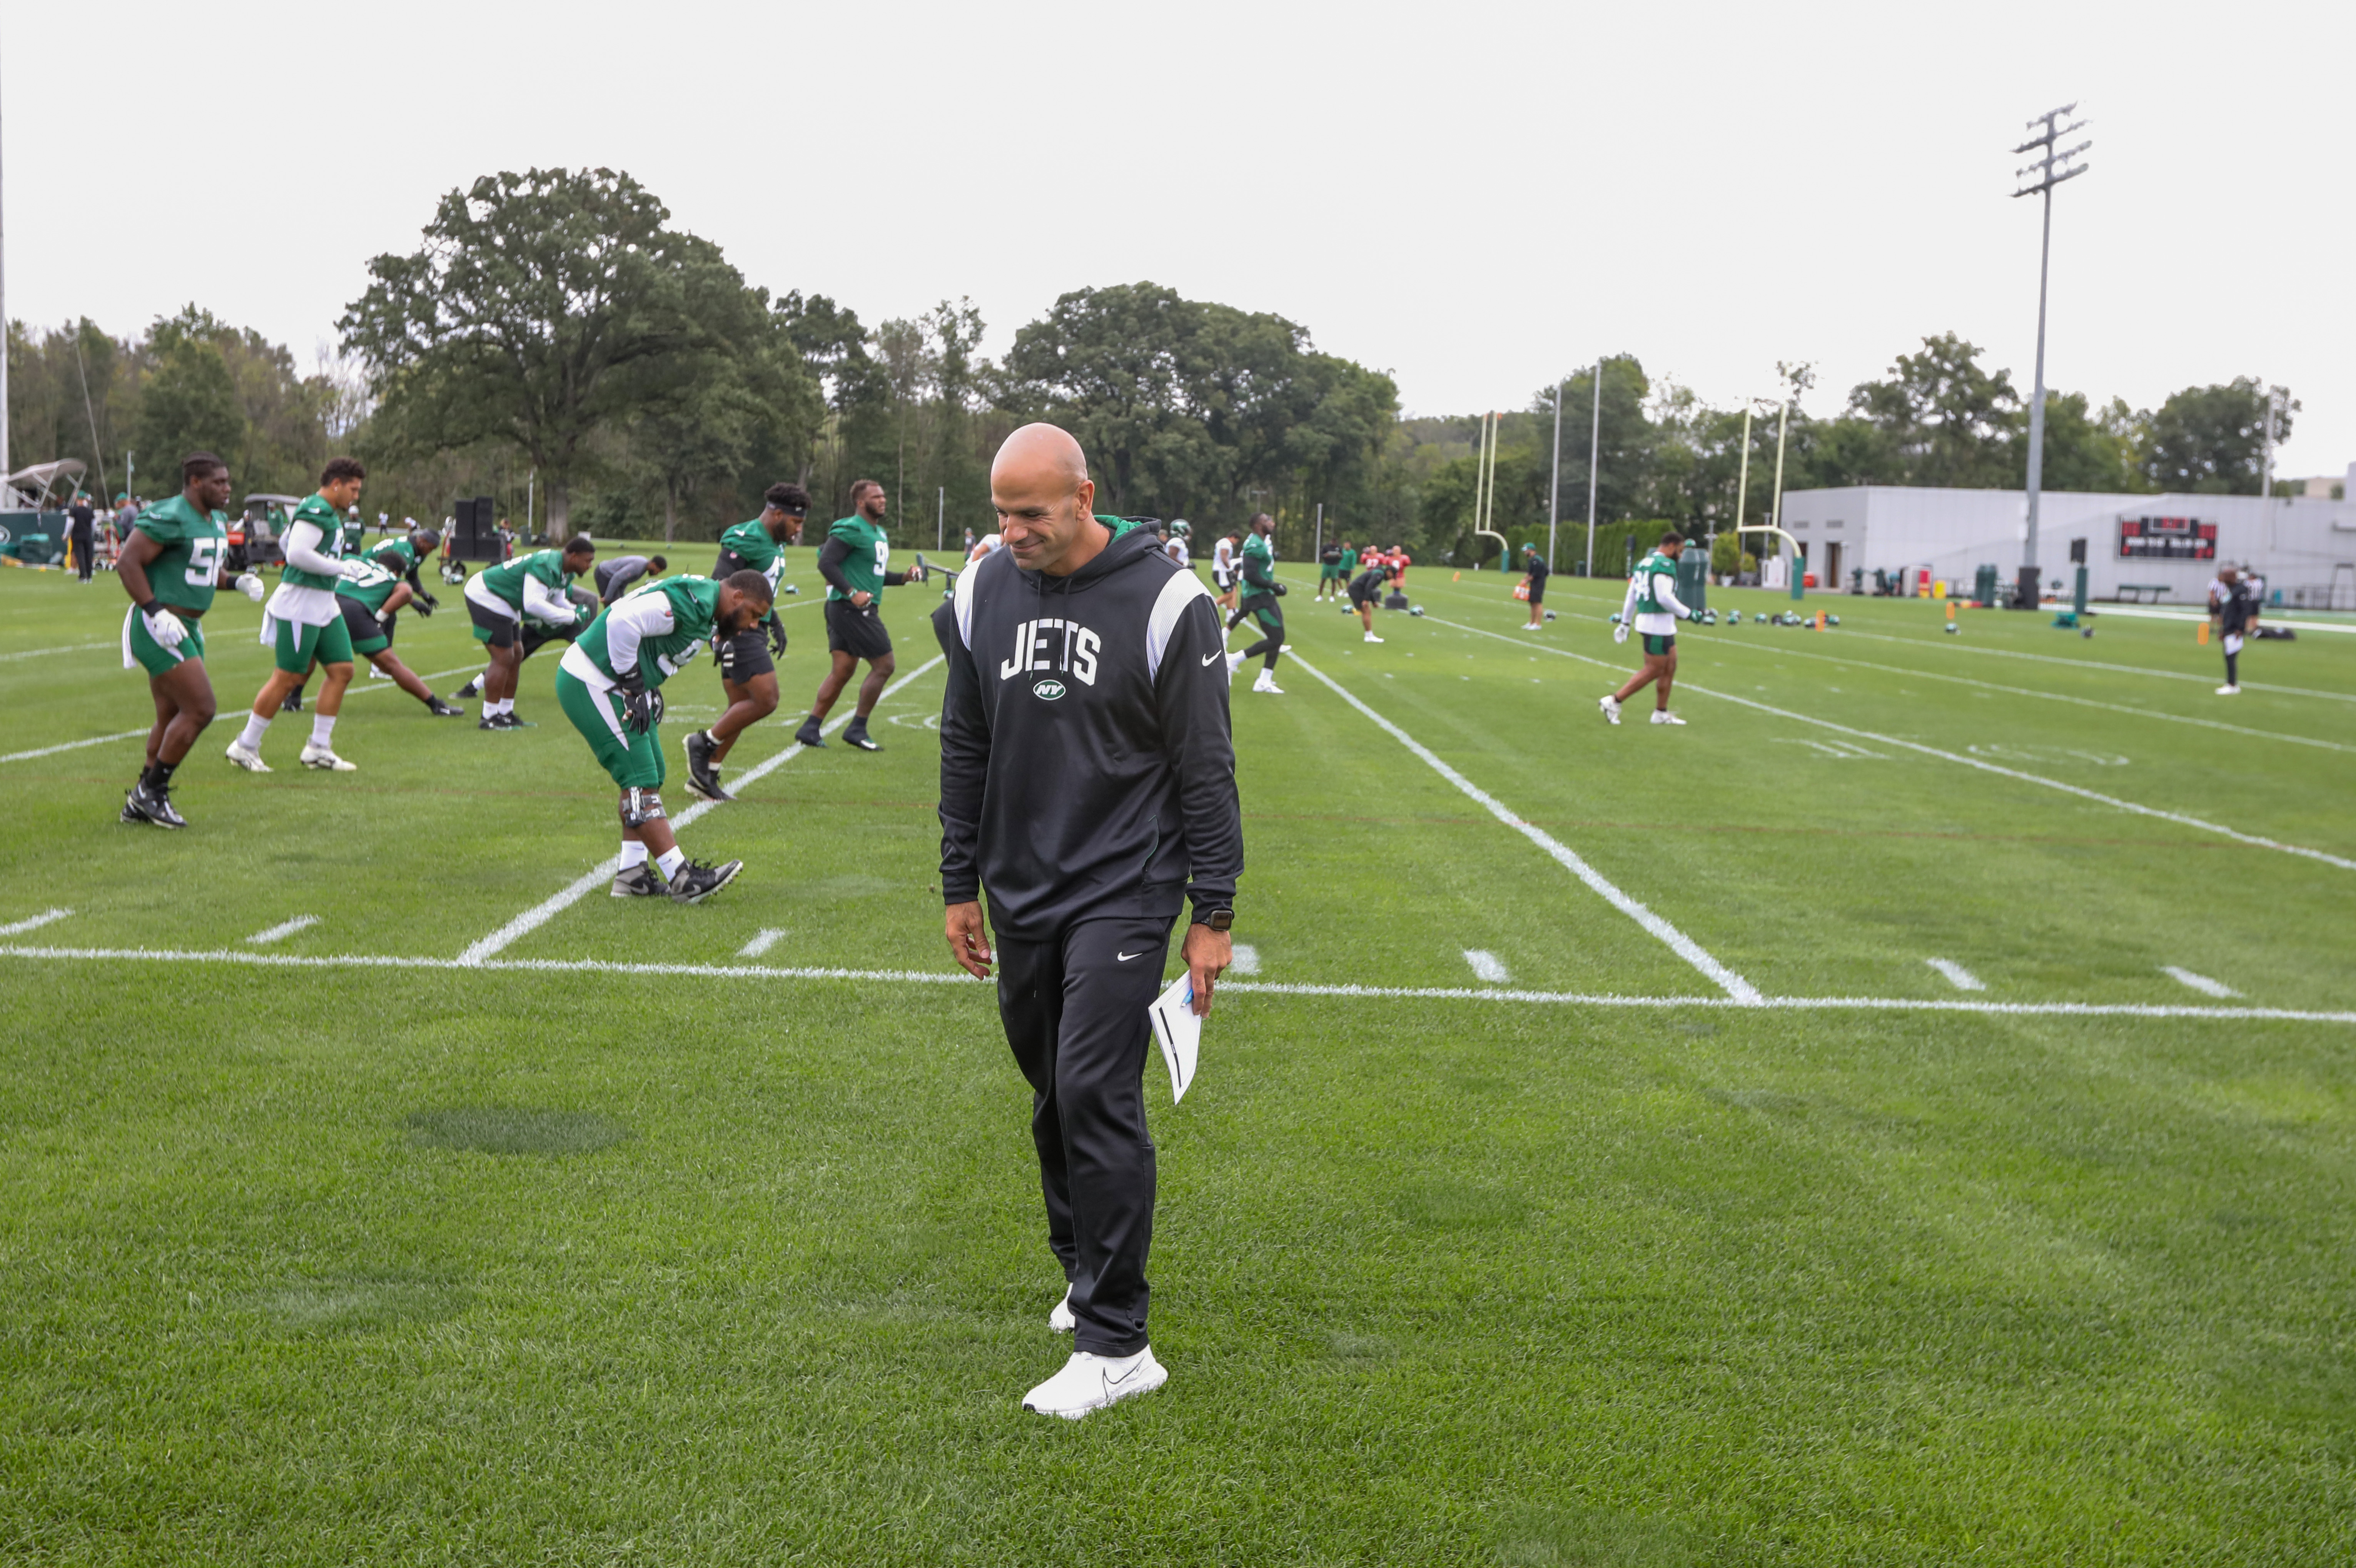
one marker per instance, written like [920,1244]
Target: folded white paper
[1178,1032]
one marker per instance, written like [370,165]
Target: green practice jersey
[1349,561]
[1651,566]
[506,579]
[870,557]
[399,547]
[185,573]
[370,582]
[750,543]
[315,511]
[1259,564]
[354,531]
[694,604]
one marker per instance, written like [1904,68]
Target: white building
[2305,547]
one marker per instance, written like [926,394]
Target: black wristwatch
[1217,919]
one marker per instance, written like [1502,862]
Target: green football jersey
[1654,564]
[399,547]
[506,579]
[354,531]
[315,511]
[695,610]
[870,557]
[184,575]
[750,543]
[368,581]
[1260,562]
[1349,561]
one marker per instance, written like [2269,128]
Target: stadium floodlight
[2050,166]
[1554,485]
[1594,459]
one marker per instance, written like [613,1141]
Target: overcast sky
[1477,198]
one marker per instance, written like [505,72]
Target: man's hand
[1207,954]
[169,630]
[969,942]
[249,585]
[862,599]
[1620,632]
[776,635]
[637,704]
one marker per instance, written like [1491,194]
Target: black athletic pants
[1075,1010]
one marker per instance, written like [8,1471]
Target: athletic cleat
[315,756]
[441,710]
[2229,690]
[639,882]
[1267,683]
[1663,716]
[857,735]
[1090,1382]
[1059,1318]
[245,757]
[697,882]
[1372,638]
[1234,663]
[1610,706]
[808,735]
[292,702]
[472,688]
[145,805]
[702,776]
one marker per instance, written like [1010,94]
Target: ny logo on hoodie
[1064,647]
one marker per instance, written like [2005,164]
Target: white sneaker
[1372,638]
[317,756]
[1061,1319]
[1267,683]
[1234,663]
[1285,649]
[245,757]
[1090,1382]
[1663,716]
[1611,709]
[2229,691]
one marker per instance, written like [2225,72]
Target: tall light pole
[2050,168]
[1554,485]
[1594,457]
[7,496]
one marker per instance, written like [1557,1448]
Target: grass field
[1594,1168]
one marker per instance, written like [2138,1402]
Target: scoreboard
[2167,538]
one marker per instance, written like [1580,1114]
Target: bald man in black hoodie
[1089,783]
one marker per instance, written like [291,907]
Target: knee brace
[641,807]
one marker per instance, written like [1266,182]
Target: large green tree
[544,309]
[2209,441]
[1950,417]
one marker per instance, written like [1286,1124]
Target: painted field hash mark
[34,922]
[1246,960]
[1487,968]
[284,929]
[1963,979]
[2201,983]
[763,940]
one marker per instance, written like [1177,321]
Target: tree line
[557,343]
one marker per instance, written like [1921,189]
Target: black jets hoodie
[1088,768]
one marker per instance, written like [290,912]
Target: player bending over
[609,684]
[501,599]
[855,561]
[170,565]
[374,590]
[748,669]
[617,575]
[304,624]
[1652,603]
[1367,592]
[1261,590]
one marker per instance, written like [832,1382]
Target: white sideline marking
[1247,988]
[2194,617]
[35,923]
[1485,966]
[2201,983]
[1961,979]
[73,745]
[284,928]
[2209,680]
[2110,800]
[547,909]
[1781,651]
[1246,960]
[44,653]
[1684,946]
[766,938]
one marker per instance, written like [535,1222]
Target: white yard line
[547,909]
[1963,979]
[1967,646]
[284,928]
[2194,617]
[1246,988]
[763,940]
[1486,967]
[34,922]
[2097,796]
[1779,651]
[2201,983]
[73,745]
[1246,960]
[44,653]
[1684,946]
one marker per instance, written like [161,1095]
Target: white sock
[490,708]
[323,729]
[257,725]
[633,853]
[670,861]
[507,705]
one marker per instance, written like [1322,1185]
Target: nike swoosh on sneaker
[1125,958]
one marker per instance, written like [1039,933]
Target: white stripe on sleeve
[1181,590]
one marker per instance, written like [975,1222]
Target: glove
[1620,632]
[1279,590]
[637,704]
[169,630]
[426,604]
[654,705]
[249,584]
[776,635]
